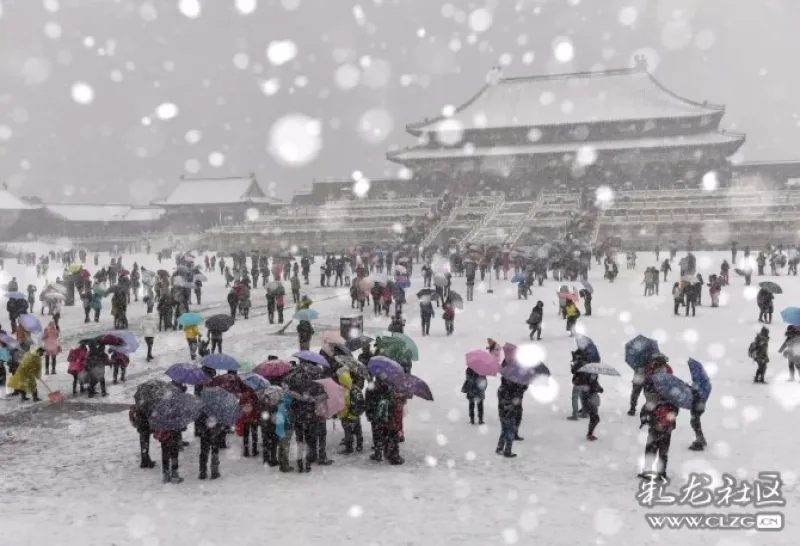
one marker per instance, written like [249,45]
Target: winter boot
[396,461]
[507,453]
[246,452]
[301,466]
[697,446]
[500,447]
[147,462]
[573,417]
[174,477]
[632,412]
[591,437]
[215,473]
[165,476]
[285,467]
[203,474]
[377,456]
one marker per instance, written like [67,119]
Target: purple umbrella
[311,356]
[382,365]
[523,375]
[409,384]
[187,374]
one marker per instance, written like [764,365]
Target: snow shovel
[56,397]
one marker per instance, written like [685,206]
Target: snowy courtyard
[70,473]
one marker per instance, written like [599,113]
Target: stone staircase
[524,223]
[484,231]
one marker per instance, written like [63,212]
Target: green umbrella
[410,344]
[245,366]
[396,349]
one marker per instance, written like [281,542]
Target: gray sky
[84,84]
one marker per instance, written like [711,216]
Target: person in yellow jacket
[192,333]
[26,374]
[571,313]
[304,303]
[353,408]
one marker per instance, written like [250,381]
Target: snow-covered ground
[71,477]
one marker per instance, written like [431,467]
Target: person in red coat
[643,379]
[394,429]
[248,421]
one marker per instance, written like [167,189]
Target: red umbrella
[272,368]
[125,272]
[231,383]
[108,339]
[84,273]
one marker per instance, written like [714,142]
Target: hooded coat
[50,340]
[26,374]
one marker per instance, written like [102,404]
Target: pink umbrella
[568,296]
[335,402]
[272,368]
[483,362]
[365,285]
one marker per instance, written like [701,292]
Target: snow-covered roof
[144,214]
[732,140]
[217,191]
[564,99]
[89,213]
[9,201]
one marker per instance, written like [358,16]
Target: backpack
[664,416]
[357,403]
[752,350]
[133,416]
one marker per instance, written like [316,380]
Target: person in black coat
[426,314]
[697,410]
[474,388]
[96,362]
[535,321]
[140,419]
[590,396]
[378,401]
[580,383]
[660,422]
[587,300]
[211,437]
[509,401]
[305,423]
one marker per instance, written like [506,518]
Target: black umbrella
[426,292]
[771,287]
[220,323]
[150,392]
[456,299]
[359,342]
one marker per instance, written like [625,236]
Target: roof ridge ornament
[640,62]
[495,75]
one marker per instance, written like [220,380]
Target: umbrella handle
[46,386]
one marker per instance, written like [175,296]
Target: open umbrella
[409,384]
[639,351]
[130,343]
[518,277]
[334,402]
[9,341]
[199,277]
[271,396]
[523,375]
[771,287]
[456,299]
[276,288]
[54,296]
[410,344]
[400,269]
[440,280]
[255,381]
[588,347]
[220,405]
[272,368]
[175,412]
[16,296]
[673,389]
[599,369]
[220,323]
[426,292]
[358,343]
[700,378]
[568,296]
[311,356]
[354,366]
[190,319]
[187,374]
[791,315]
[232,383]
[150,392]
[588,286]
[383,366]
[30,323]
[220,361]
[396,349]
[482,362]
[306,314]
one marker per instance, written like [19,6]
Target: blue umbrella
[588,347]
[5,356]
[187,374]
[382,365]
[639,351]
[255,381]
[220,361]
[130,342]
[175,412]
[190,319]
[673,389]
[311,356]
[306,314]
[791,315]
[523,375]
[518,277]
[220,405]
[16,296]
[700,379]
[31,324]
